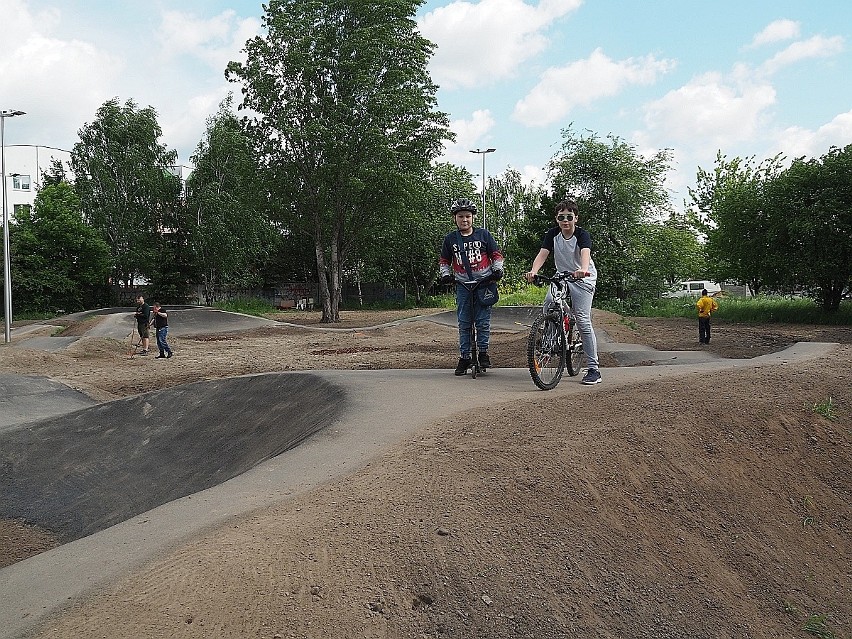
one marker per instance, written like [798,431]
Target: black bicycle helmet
[462,204]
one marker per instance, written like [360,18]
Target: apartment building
[25,164]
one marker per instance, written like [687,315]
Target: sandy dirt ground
[707,505]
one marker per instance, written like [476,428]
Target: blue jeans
[162,344]
[482,321]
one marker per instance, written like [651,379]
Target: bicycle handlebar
[558,278]
[472,285]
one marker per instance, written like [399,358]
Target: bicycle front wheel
[546,351]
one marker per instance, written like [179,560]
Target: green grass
[762,309]
[25,316]
[510,295]
[757,310]
[816,626]
[826,409]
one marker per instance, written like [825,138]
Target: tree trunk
[322,281]
[831,296]
[335,275]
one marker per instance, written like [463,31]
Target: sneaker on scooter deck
[462,367]
[484,362]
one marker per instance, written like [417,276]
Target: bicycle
[474,367]
[554,340]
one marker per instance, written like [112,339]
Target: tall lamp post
[483,152]
[7,257]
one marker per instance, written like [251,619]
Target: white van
[693,288]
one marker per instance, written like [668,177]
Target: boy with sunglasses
[572,252]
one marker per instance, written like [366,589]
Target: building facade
[25,164]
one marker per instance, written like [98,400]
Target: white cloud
[709,109]
[215,41]
[478,44]
[470,134]
[20,21]
[531,174]
[775,32]
[583,82]
[52,79]
[797,141]
[816,47]
[184,125]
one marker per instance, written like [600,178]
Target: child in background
[706,305]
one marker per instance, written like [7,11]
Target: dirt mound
[641,512]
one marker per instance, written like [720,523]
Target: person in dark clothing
[143,322]
[706,306]
[161,325]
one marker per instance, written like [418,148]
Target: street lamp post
[7,257]
[483,152]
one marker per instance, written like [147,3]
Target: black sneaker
[484,361]
[160,357]
[464,364]
[592,376]
[143,352]
[169,356]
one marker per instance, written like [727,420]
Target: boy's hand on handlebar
[447,279]
[496,275]
[529,277]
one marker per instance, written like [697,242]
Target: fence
[306,294]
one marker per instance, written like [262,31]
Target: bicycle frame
[554,340]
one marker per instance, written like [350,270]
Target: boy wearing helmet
[470,253]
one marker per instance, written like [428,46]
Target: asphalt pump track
[124,481]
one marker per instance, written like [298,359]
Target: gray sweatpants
[581,302]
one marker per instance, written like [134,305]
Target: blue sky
[747,77]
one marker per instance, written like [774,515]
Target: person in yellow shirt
[706,305]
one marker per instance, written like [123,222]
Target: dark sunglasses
[565,217]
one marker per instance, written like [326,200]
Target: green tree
[524,245]
[226,219]
[817,249]
[404,252]
[669,252]
[54,174]
[125,186]
[60,263]
[510,203]
[347,120]
[739,218]
[617,191]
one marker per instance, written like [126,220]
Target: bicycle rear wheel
[575,351]
[546,351]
